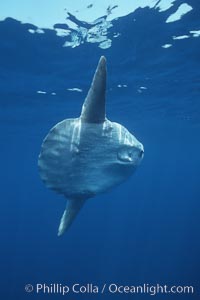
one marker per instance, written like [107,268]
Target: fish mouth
[141,153]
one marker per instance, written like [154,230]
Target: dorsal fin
[93,110]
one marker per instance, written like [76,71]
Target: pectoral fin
[72,209]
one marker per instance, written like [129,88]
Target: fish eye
[125,154]
[130,154]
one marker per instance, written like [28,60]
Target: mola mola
[85,156]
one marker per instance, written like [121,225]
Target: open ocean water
[145,231]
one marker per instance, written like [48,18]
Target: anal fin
[72,209]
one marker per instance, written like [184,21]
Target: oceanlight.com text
[108,288]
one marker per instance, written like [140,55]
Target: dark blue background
[144,231]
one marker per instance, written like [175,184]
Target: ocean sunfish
[86,156]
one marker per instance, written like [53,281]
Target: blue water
[147,229]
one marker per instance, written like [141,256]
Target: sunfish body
[85,156]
